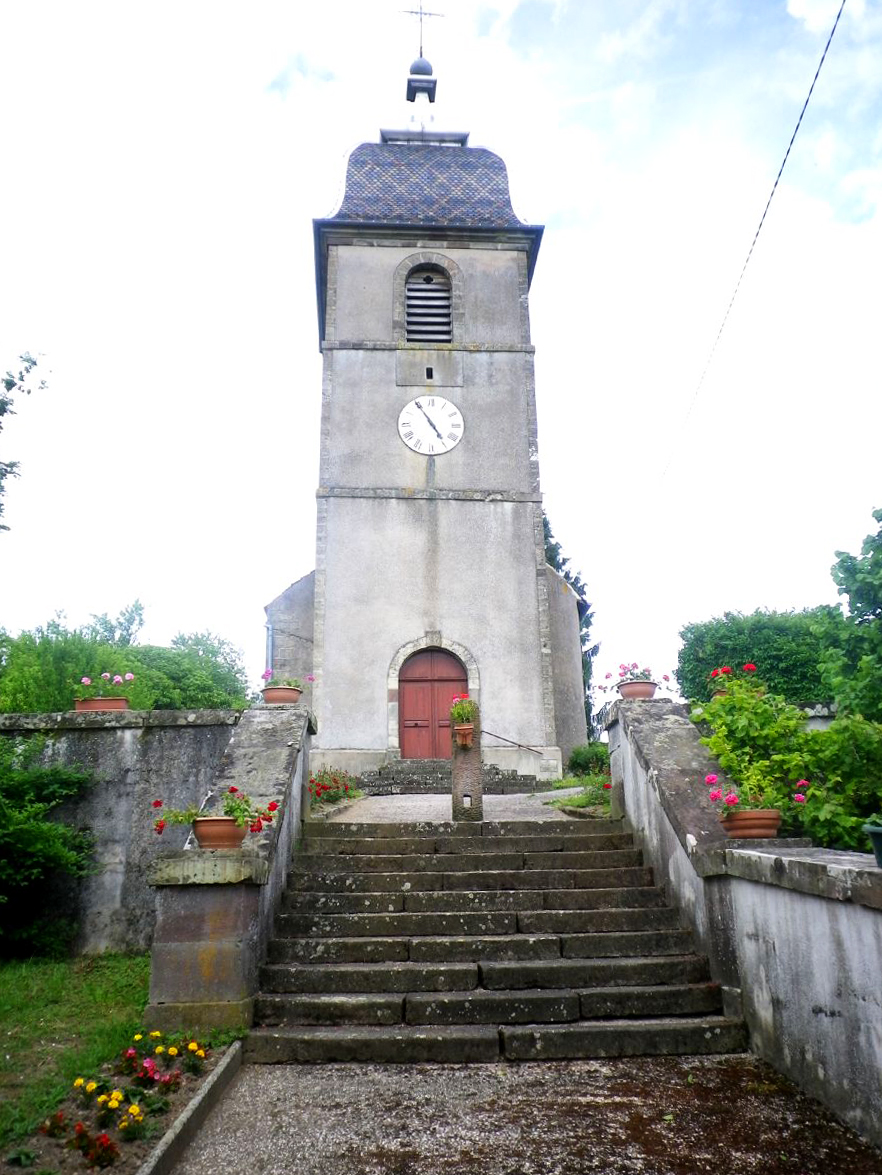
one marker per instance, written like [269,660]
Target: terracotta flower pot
[84,704]
[465,733]
[751,823]
[640,690]
[219,832]
[279,695]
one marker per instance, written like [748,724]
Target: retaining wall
[793,933]
[135,756]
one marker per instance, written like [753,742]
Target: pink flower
[634,666]
[716,795]
[665,677]
[608,676]
[310,677]
[105,676]
[267,674]
[731,799]
[130,677]
[710,779]
[802,783]
[117,680]
[85,681]
[799,798]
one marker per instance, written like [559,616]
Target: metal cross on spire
[421,13]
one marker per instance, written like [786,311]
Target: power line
[713,349]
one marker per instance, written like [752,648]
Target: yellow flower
[159,1049]
[117,1094]
[91,1086]
[192,1046]
[139,1036]
[78,1083]
[113,1105]
[123,1123]
[134,1110]
[172,1052]
[102,1098]
[200,1052]
[155,1034]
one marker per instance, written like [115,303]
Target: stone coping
[824,873]
[208,867]
[666,744]
[92,719]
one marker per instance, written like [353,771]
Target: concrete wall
[794,933]
[135,757]
[570,724]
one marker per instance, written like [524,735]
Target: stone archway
[431,641]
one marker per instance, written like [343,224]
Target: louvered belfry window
[427,298]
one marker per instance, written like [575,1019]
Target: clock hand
[430,420]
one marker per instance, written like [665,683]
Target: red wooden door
[427,684]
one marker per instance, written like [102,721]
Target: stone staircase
[433,777]
[528,940]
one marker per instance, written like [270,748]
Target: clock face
[431,425]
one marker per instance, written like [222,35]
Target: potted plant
[753,808]
[240,816]
[636,683]
[463,712]
[106,692]
[874,832]
[280,691]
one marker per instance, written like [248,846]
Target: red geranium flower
[157,803]
[715,673]
[233,790]
[749,668]
[272,806]
[726,669]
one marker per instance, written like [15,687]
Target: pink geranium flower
[716,795]
[799,798]
[731,799]
[710,779]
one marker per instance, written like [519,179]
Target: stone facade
[420,551]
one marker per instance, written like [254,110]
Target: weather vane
[421,13]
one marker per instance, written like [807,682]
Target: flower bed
[116,1116]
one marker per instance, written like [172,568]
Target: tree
[14,384]
[852,664]
[555,558]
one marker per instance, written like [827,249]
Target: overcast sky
[162,165]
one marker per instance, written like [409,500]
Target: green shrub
[39,670]
[786,647]
[760,741]
[35,849]
[588,758]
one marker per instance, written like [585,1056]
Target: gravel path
[725,1115]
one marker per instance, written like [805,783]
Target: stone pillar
[203,971]
[468,793]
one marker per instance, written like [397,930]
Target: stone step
[597,856]
[335,881]
[406,1044]
[328,829]
[586,973]
[547,1006]
[457,845]
[478,947]
[436,902]
[355,978]
[482,922]
[674,1036]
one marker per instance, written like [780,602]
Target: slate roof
[420,183]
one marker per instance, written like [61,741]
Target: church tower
[430,572]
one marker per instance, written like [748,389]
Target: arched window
[427,298]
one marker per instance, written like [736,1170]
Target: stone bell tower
[430,562]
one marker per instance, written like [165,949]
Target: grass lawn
[59,1020]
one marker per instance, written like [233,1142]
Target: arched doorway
[426,685]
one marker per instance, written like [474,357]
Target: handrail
[511,740]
